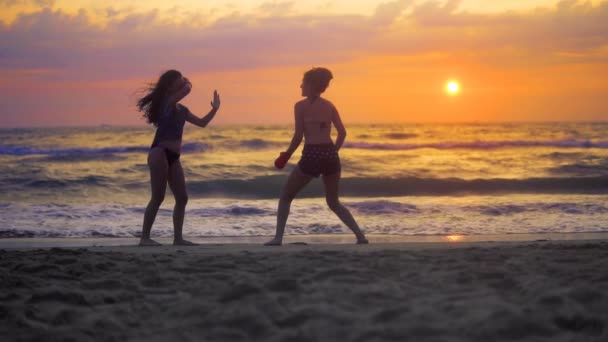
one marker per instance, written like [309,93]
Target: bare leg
[296,181]
[331,195]
[158,182]
[177,183]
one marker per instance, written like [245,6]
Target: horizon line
[350,124]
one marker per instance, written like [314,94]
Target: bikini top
[321,124]
[171,123]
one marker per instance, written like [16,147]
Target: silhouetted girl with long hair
[314,117]
[161,108]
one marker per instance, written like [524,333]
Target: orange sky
[81,62]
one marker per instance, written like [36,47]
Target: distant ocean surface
[410,179]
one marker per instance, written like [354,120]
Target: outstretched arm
[298,134]
[204,121]
[335,119]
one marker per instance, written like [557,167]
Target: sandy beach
[473,291]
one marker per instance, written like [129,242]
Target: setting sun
[452,87]
[454,238]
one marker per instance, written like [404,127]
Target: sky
[85,62]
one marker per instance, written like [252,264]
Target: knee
[286,197]
[333,204]
[156,201]
[181,200]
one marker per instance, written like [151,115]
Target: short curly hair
[318,79]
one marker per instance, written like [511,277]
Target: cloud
[387,13]
[546,35]
[276,8]
[38,3]
[137,44]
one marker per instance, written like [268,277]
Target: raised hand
[215,104]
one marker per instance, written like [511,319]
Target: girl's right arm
[299,131]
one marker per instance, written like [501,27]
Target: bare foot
[363,241]
[274,242]
[184,243]
[148,242]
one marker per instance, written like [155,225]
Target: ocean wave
[51,233]
[233,210]
[16,233]
[53,183]
[258,143]
[212,217]
[81,157]
[90,233]
[77,154]
[399,136]
[566,208]
[573,208]
[499,210]
[581,169]
[319,228]
[564,155]
[482,145]
[383,207]
[192,147]
[87,152]
[270,186]
[27,150]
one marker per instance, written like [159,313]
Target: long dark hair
[156,92]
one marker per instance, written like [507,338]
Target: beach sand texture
[530,291]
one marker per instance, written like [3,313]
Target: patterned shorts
[321,159]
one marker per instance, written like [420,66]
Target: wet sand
[471,291]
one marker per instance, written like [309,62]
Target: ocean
[402,179]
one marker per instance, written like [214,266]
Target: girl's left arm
[204,121]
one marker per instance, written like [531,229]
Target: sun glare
[452,87]
[454,238]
